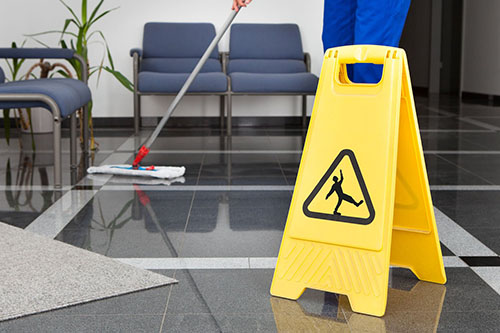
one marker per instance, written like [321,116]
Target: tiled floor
[218,230]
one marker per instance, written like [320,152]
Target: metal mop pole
[145,148]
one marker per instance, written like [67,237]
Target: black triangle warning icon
[334,211]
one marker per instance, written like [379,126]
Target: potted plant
[78,34]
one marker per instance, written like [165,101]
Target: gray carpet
[39,274]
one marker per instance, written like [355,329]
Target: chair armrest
[136,50]
[307,60]
[36,53]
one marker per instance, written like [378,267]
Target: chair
[169,54]
[267,59]
[63,97]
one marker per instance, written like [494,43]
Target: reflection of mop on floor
[337,187]
[146,203]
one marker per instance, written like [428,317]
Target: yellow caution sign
[362,199]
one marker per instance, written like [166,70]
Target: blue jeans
[378,22]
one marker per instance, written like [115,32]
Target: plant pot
[42,120]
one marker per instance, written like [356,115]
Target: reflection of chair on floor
[424,301]
[63,97]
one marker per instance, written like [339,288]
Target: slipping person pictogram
[337,187]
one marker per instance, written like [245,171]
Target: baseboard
[189,122]
[212,122]
[477,98]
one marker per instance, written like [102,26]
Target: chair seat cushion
[266,66]
[178,65]
[274,83]
[69,94]
[172,82]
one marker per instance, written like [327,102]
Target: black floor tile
[441,171]
[449,141]
[236,224]
[20,207]
[485,166]
[482,261]
[445,123]
[241,169]
[487,140]
[117,224]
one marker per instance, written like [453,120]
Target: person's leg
[338,205]
[338,23]
[349,199]
[378,22]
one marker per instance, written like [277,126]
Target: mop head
[127,180]
[127,170]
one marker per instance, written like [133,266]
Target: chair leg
[222,111]
[57,154]
[304,111]
[85,130]
[137,112]
[229,100]
[73,147]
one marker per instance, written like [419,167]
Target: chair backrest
[177,47]
[2,76]
[178,40]
[265,41]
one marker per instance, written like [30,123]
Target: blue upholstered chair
[267,59]
[63,97]
[170,52]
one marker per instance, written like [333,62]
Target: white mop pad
[135,180]
[126,170]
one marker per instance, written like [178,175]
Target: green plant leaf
[63,73]
[108,52]
[102,15]
[84,12]
[94,12]
[6,124]
[62,32]
[40,42]
[71,11]
[121,78]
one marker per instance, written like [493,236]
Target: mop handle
[145,148]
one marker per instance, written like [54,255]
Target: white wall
[481,47]
[123,30]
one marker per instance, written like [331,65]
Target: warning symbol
[341,194]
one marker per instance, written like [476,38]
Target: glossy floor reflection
[218,230]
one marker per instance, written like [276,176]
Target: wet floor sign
[362,200]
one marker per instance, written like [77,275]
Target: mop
[163,171]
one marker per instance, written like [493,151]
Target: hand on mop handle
[237,4]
